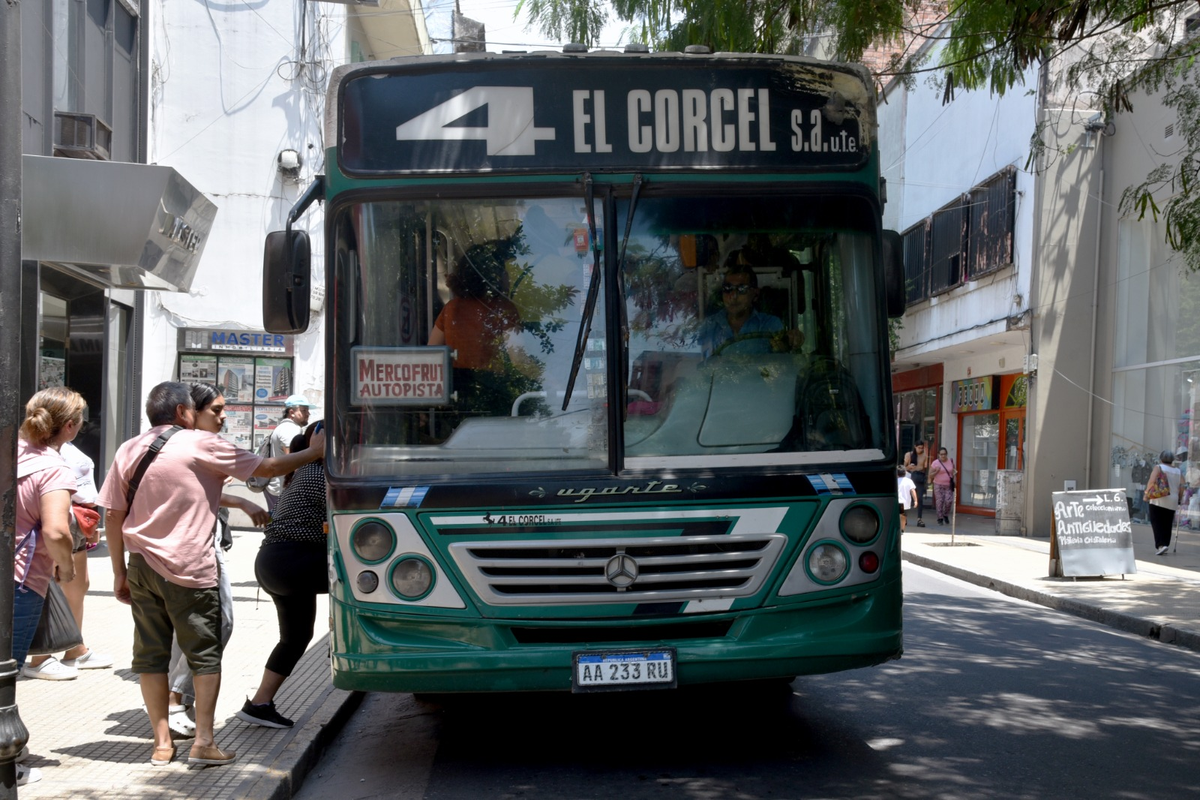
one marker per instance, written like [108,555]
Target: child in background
[907,492]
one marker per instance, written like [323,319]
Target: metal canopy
[133,226]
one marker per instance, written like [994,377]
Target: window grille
[991,219]
[916,262]
[947,232]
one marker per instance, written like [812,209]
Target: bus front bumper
[411,653]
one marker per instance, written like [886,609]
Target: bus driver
[738,327]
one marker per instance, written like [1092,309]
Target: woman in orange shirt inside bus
[475,325]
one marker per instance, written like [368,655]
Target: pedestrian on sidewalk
[48,667]
[942,471]
[167,516]
[295,417]
[1163,506]
[210,416]
[292,568]
[42,551]
[916,461]
[906,493]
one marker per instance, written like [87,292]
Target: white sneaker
[50,670]
[27,774]
[1160,551]
[89,660]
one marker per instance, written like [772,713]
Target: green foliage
[1105,49]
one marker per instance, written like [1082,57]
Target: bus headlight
[372,541]
[412,578]
[827,563]
[860,524]
[368,582]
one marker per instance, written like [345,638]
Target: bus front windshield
[734,331]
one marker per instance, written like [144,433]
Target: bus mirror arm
[315,191]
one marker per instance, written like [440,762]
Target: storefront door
[1013,446]
[979,442]
[989,441]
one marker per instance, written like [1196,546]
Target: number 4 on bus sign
[509,132]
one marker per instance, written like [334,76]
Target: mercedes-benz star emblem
[621,571]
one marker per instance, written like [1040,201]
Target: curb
[284,769]
[1167,634]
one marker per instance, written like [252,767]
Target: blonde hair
[48,411]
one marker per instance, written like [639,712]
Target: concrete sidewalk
[91,739]
[1161,600]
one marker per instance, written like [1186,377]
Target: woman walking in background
[1164,490]
[291,567]
[941,472]
[45,483]
[916,461]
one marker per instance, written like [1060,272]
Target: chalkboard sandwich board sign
[1092,535]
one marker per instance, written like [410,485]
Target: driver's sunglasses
[731,288]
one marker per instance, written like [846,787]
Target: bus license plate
[624,669]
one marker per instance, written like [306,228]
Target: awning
[133,226]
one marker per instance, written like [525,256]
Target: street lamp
[13,733]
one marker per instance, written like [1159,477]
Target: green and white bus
[608,400]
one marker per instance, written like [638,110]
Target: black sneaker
[264,715]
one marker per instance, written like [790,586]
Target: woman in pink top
[941,472]
[45,484]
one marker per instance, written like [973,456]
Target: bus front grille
[618,570]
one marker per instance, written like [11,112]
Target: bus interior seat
[830,411]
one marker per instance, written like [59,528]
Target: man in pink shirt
[171,578]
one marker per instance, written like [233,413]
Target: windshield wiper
[622,305]
[589,306]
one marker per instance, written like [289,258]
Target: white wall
[932,153]
[232,86]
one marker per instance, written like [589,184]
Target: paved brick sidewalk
[91,738]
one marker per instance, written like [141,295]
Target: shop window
[990,224]
[255,388]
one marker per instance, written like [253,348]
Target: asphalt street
[994,698]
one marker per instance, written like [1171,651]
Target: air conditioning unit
[81,136]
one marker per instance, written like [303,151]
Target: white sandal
[181,725]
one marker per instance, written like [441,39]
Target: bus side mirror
[893,273]
[287,264]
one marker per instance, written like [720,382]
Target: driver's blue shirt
[716,331]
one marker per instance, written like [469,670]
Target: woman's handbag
[57,630]
[88,520]
[1160,487]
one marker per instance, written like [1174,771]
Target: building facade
[1048,341]
[100,225]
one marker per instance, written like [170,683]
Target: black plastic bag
[57,630]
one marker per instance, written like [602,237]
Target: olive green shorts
[162,609]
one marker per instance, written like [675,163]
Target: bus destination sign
[468,118]
[401,376]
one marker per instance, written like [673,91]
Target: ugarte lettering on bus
[652,487]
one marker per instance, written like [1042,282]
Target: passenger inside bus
[476,325]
